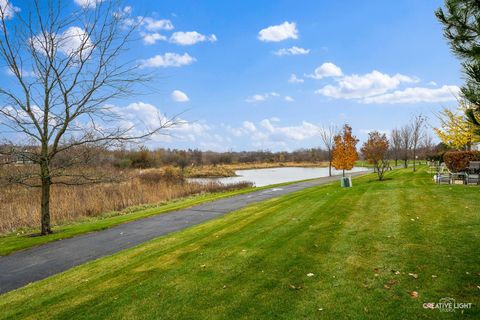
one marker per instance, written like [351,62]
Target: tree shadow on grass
[376,180]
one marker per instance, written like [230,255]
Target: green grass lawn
[360,244]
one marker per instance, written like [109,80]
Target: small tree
[396,145]
[406,145]
[344,152]
[67,68]
[327,135]
[417,126]
[375,150]
[455,130]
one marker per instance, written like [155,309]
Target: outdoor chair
[473,173]
[458,176]
[472,178]
[443,174]
[474,167]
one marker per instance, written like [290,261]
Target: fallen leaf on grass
[434,276]
[389,284]
[413,275]
[310,274]
[414,294]
[295,287]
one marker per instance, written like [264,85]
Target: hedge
[458,161]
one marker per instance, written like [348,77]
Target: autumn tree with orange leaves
[344,153]
[375,150]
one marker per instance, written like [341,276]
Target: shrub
[458,161]
[123,163]
[435,156]
[168,175]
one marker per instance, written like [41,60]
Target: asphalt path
[37,263]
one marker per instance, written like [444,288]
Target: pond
[265,177]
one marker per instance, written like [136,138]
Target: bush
[168,175]
[458,161]
[435,157]
[123,163]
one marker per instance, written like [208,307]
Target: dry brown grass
[19,206]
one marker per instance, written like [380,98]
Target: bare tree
[427,145]
[396,144]
[406,136]
[66,65]
[327,134]
[417,128]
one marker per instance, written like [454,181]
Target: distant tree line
[144,158]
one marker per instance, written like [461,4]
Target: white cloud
[293,51]
[156,25]
[286,30]
[274,132]
[8,9]
[24,73]
[74,42]
[127,10]
[179,96]
[140,115]
[360,86]
[432,83]
[166,60]
[269,133]
[88,3]
[326,70]
[262,97]
[250,126]
[190,38]
[256,98]
[288,99]
[367,131]
[152,38]
[293,79]
[416,95]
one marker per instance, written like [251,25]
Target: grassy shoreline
[321,252]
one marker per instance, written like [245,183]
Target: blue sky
[372,64]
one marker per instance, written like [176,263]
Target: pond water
[265,177]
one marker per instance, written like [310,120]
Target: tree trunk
[414,160]
[330,168]
[405,164]
[343,173]
[396,162]
[45,212]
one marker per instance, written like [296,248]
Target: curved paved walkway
[23,267]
